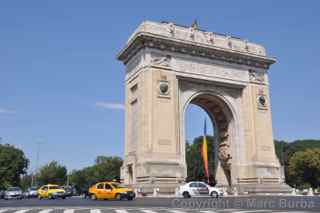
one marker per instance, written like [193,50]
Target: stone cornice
[142,40]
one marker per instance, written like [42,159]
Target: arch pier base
[170,66]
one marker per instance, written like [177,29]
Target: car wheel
[214,195]
[186,195]
[130,198]
[118,197]
[50,196]
[39,197]
[93,197]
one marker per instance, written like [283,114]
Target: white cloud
[7,111]
[110,105]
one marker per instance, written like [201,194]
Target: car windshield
[14,189]
[55,187]
[116,185]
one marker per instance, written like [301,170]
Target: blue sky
[62,86]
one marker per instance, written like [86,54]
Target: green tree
[285,150]
[105,168]
[108,168]
[26,181]
[282,148]
[305,167]
[13,163]
[53,173]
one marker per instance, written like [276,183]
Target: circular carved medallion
[164,88]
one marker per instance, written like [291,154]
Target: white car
[199,189]
[13,193]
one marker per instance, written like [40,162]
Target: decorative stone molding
[171,29]
[256,76]
[161,61]
[191,41]
[210,37]
[192,33]
[229,41]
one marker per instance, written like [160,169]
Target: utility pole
[32,179]
[67,179]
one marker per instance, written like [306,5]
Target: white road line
[175,211]
[22,211]
[95,211]
[46,211]
[290,212]
[252,211]
[147,211]
[207,211]
[3,210]
[121,211]
[68,211]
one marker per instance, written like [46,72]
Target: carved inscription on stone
[208,69]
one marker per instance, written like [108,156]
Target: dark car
[1,194]
[70,191]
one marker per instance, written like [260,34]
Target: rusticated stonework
[169,67]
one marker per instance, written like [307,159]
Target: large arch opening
[220,116]
[196,119]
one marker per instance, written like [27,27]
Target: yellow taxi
[110,190]
[51,191]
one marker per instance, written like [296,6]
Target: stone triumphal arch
[170,66]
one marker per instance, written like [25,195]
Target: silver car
[13,193]
[31,192]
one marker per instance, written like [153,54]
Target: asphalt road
[252,203]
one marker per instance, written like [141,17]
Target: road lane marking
[22,211]
[3,210]
[252,211]
[68,211]
[290,212]
[46,211]
[147,211]
[176,211]
[207,211]
[95,211]
[121,211]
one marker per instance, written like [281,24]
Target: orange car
[110,190]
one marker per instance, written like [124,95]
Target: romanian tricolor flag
[204,150]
